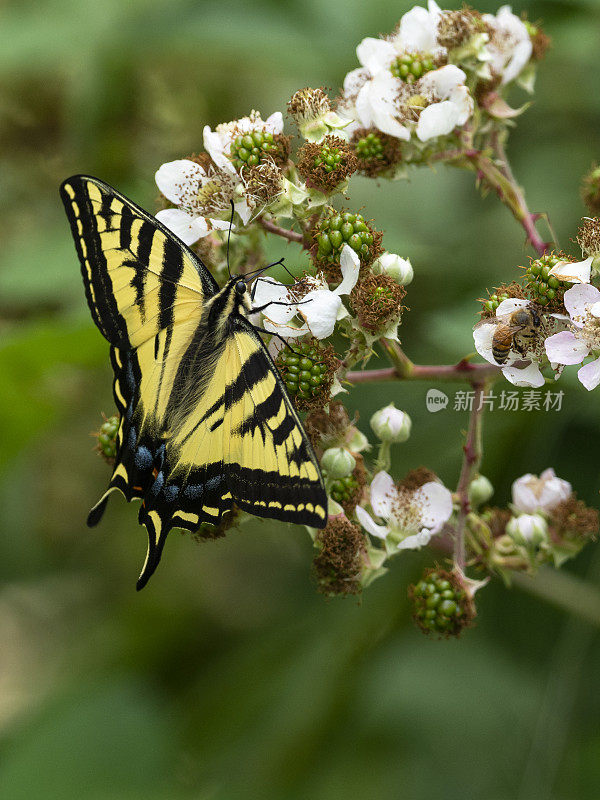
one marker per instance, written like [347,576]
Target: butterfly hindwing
[139,278]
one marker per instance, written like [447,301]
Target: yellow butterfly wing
[205,421]
[139,279]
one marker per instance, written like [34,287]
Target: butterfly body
[206,422]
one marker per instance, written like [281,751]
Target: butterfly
[206,421]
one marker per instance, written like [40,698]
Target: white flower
[573,272]
[391,425]
[509,46]
[201,196]
[483,333]
[531,494]
[432,105]
[400,269]
[218,142]
[412,516]
[529,530]
[582,301]
[320,308]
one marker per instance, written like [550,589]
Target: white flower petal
[221,225]
[320,309]
[243,209]
[214,145]
[590,374]
[350,267]
[274,123]
[443,80]
[438,119]
[416,541]
[576,300]
[375,54]
[383,494]
[363,108]
[270,291]
[483,333]
[354,80]
[510,304]
[565,348]
[174,177]
[380,531]
[381,97]
[573,272]
[418,29]
[286,331]
[435,503]
[189,229]
[524,376]
[520,56]
[463,102]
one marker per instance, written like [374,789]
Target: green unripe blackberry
[336,230]
[494,300]
[106,439]
[344,489]
[441,603]
[328,158]
[370,147]
[306,371]
[542,287]
[248,150]
[410,67]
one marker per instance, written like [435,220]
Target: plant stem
[472,453]
[501,179]
[291,236]
[464,371]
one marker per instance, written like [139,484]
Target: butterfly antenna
[229,235]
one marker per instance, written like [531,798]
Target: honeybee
[518,331]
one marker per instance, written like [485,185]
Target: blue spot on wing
[143,458]
[194,490]
[171,493]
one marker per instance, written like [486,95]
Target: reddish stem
[291,236]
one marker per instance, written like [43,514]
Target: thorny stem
[508,190]
[291,236]
[472,453]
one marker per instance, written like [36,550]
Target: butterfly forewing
[139,279]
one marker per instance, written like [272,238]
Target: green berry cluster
[303,371]
[343,490]
[439,604]
[410,67]
[542,287]
[106,439]
[370,148]
[335,231]
[329,158]
[247,150]
[493,301]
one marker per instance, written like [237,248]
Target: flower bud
[480,491]
[531,494]
[529,530]
[400,269]
[391,425]
[338,463]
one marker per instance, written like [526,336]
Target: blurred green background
[229,677]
